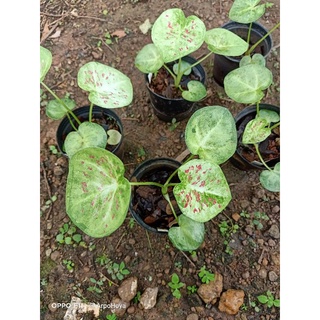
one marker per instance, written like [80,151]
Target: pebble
[263,273]
[272,276]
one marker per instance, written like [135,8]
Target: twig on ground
[188,259]
[48,188]
[120,240]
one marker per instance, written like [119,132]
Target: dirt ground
[77,32]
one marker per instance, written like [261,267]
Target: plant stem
[275,125]
[256,145]
[258,42]
[90,112]
[63,104]
[146,184]
[171,73]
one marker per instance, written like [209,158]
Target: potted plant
[257,125]
[98,195]
[244,16]
[95,124]
[175,80]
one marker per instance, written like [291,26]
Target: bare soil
[248,259]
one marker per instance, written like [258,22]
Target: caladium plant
[247,84]
[107,87]
[98,194]
[248,11]
[175,36]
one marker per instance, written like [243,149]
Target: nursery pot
[222,65]
[148,206]
[165,108]
[107,118]
[239,159]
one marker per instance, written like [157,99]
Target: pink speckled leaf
[97,193]
[203,191]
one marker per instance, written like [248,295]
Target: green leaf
[175,278]
[188,236]
[211,133]
[257,58]
[77,237]
[114,137]
[276,303]
[89,134]
[270,180]
[263,299]
[60,238]
[225,42]
[97,193]
[45,62]
[68,240]
[203,191]
[107,86]
[246,84]
[256,130]
[184,65]
[177,36]
[56,110]
[196,91]
[269,115]
[148,59]
[246,11]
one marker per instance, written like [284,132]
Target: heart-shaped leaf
[97,193]
[184,65]
[270,115]
[203,191]
[177,36]
[257,58]
[196,91]
[246,11]
[56,110]
[225,42]
[270,180]
[45,62]
[188,236]
[246,84]
[89,134]
[107,86]
[256,130]
[148,59]
[211,133]
[114,137]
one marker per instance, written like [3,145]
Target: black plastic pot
[166,109]
[222,65]
[146,171]
[105,115]
[242,118]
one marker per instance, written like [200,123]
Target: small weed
[67,235]
[69,264]
[132,223]
[141,152]
[47,204]
[269,300]
[137,297]
[178,264]
[258,216]
[245,215]
[175,286]
[117,271]
[97,288]
[193,254]
[227,231]
[54,150]
[112,316]
[192,289]
[44,282]
[173,125]
[205,275]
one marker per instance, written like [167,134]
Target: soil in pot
[222,65]
[104,117]
[245,157]
[148,205]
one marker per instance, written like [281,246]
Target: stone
[209,292]
[148,298]
[231,300]
[118,306]
[128,289]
